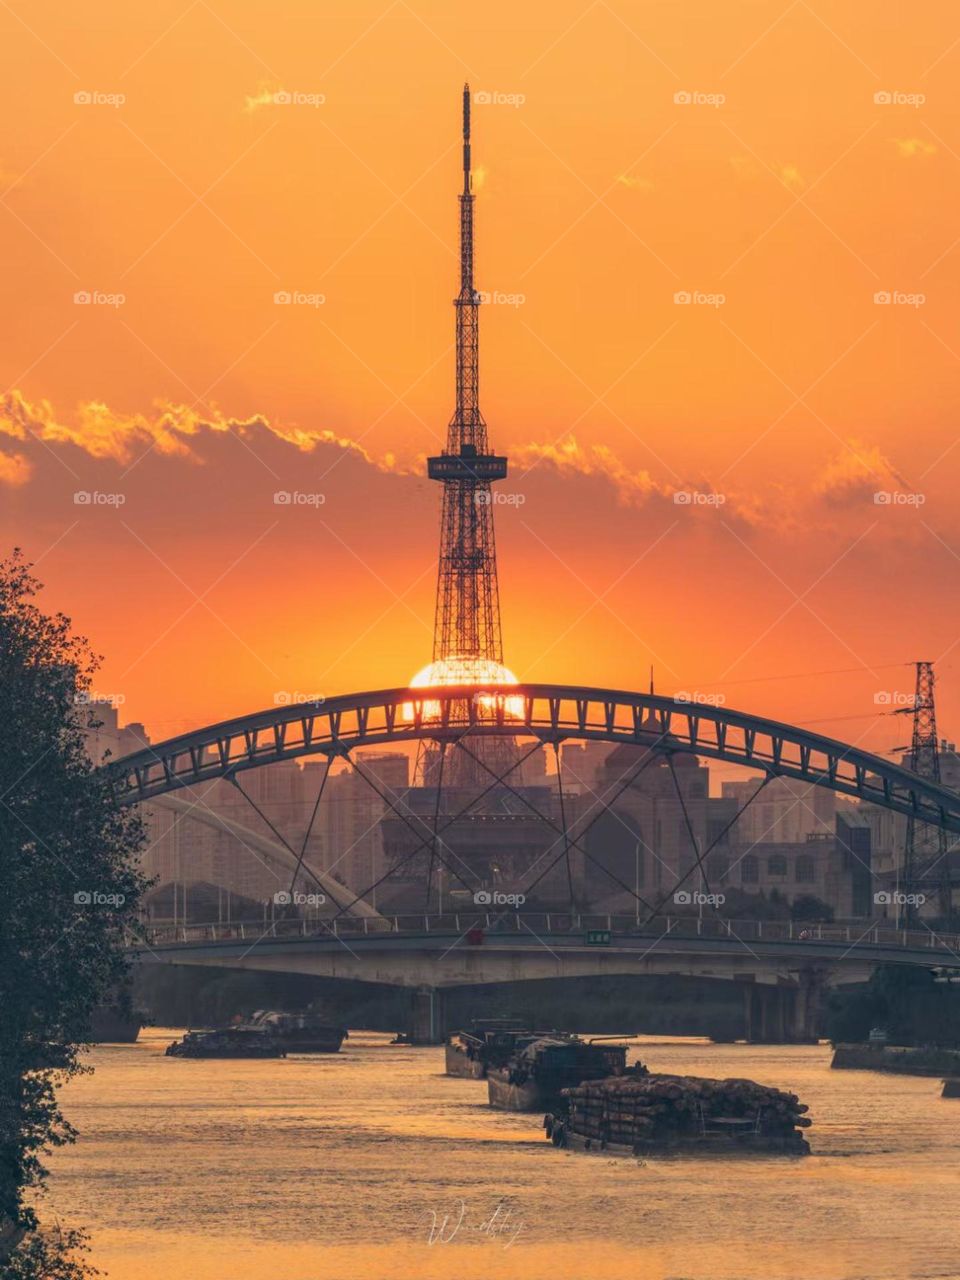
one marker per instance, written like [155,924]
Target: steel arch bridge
[548,712]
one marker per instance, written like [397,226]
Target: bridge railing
[475,927]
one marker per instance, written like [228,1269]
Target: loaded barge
[300,1032]
[489,1041]
[665,1114]
[230,1042]
[535,1076]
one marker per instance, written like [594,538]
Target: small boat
[300,1032]
[534,1077]
[490,1041]
[227,1042]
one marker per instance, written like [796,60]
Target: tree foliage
[70,887]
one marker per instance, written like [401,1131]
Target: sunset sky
[778,187]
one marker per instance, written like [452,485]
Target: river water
[372,1165]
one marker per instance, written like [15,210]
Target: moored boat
[534,1077]
[227,1042]
[300,1032]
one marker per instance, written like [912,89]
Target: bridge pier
[783,1014]
[427,1025]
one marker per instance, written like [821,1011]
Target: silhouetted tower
[467,625]
[925,862]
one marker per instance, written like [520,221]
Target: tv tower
[467,639]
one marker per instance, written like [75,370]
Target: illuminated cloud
[570,458]
[909,147]
[856,474]
[264,97]
[633,183]
[173,429]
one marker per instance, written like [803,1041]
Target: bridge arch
[552,713]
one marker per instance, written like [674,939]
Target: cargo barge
[468,1054]
[675,1115]
[536,1075]
[229,1042]
[300,1032]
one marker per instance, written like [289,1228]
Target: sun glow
[465,671]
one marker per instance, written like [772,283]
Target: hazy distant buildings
[785,811]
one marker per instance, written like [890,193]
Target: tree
[70,888]
[809,907]
[910,1006]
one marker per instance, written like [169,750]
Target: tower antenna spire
[466,140]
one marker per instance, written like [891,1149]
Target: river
[372,1165]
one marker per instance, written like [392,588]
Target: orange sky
[797,198]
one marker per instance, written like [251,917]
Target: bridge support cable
[461,813]
[395,808]
[699,857]
[436,820]
[563,819]
[575,841]
[711,846]
[282,839]
[309,830]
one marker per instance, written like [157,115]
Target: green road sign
[598,937]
